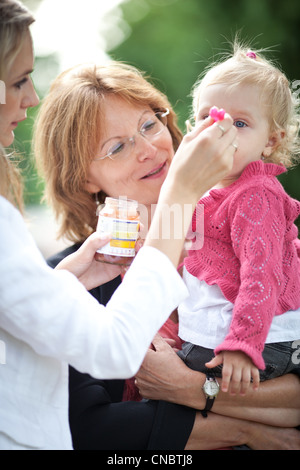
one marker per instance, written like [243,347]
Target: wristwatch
[211,389]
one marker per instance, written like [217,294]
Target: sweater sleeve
[55,315]
[257,233]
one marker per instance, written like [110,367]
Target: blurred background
[171,40]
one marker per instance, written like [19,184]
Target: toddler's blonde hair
[274,87]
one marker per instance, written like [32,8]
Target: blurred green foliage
[176,39]
[173,40]
[33,186]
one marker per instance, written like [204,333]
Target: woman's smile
[142,173]
[156,172]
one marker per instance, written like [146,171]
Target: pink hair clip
[217,114]
[251,55]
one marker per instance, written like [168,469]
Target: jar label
[124,235]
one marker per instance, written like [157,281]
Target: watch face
[211,387]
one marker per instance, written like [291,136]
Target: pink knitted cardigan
[251,251]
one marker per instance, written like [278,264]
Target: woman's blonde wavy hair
[68,130]
[15,20]
[237,69]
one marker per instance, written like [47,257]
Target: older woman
[47,319]
[92,141]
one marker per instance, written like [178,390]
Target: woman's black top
[100,420]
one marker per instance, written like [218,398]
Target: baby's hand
[238,369]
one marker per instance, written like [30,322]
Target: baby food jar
[121,219]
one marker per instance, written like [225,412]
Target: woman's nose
[31,98]
[144,148]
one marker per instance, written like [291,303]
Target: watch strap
[209,400]
[208,406]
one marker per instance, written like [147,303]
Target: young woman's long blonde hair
[15,20]
[68,130]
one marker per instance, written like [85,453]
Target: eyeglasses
[151,127]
